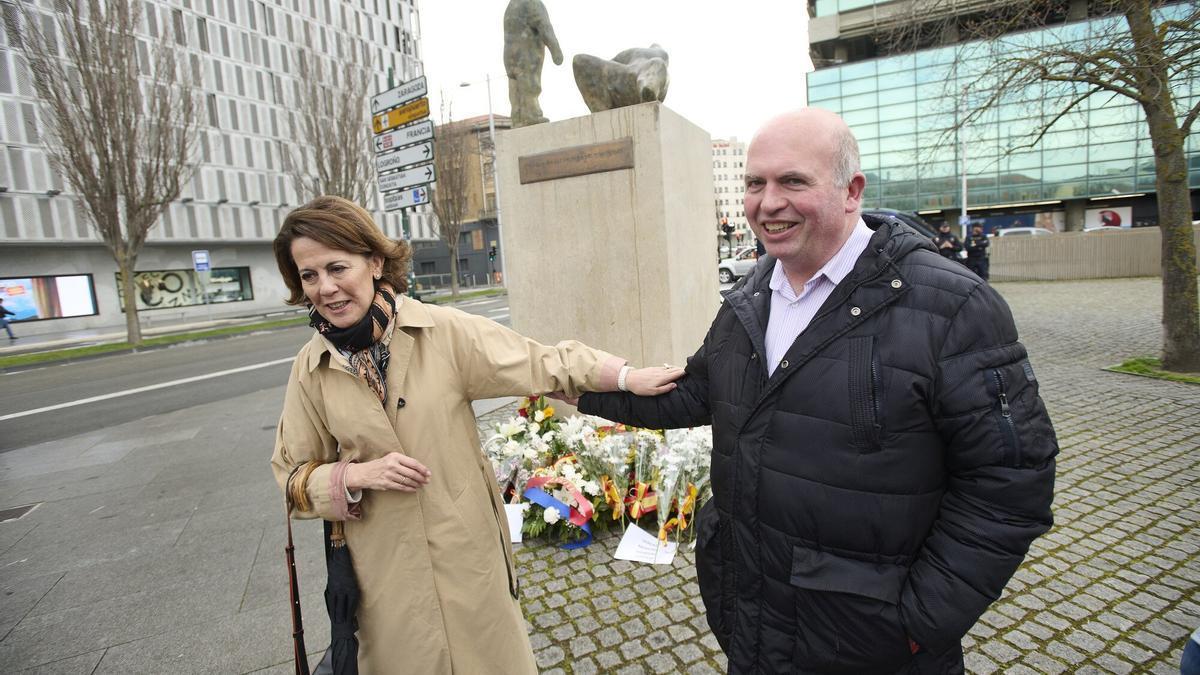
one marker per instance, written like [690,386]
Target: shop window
[39,298]
[162,289]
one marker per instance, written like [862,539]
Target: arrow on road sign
[402,94]
[409,112]
[394,201]
[421,152]
[417,175]
[413,133]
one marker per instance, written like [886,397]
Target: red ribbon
[579,515]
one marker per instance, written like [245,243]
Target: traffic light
[492,254]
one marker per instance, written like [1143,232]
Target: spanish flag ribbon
[611,430]
[685,509]
[613,497]
[565,459]
[642,501]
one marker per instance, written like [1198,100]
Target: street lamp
[495,177]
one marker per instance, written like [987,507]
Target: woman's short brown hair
[343,225]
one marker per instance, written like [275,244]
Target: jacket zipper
[1007,426]
[875,396]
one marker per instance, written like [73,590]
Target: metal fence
[1079,255]
[429,282]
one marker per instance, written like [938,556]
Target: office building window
[202,33]
[180,30]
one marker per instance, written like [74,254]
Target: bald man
[881,459]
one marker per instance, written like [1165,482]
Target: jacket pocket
[865,390]
[847,613]
[1002,411]
[709,572]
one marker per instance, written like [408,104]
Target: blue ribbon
[543,499]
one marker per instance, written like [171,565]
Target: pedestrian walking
[947,244]
[378,435]
[881,458]
[977,252]
[4,314]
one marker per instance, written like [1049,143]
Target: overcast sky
[732,64]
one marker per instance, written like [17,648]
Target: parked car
[730,270]
[908,218]
[1023,232]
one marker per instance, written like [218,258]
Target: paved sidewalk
[157,545]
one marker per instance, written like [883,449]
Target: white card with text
[641,546]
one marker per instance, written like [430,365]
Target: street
[156,545]
[251,362]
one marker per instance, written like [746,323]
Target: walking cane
[300,654]
[297,620]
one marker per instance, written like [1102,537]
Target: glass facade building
[904,110]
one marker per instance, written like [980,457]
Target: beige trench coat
[435,567]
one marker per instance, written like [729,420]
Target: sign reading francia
[394,201]
[397,95]
[409,112]
[417,175]
[414,133]
[421,152]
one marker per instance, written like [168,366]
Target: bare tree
[1144,51]
[331,128]
[452,161]
[119,115]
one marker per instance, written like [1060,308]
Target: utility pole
[496,182]
[964,219]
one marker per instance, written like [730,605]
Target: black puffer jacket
[883,484]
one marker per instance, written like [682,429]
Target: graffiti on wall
[159,289]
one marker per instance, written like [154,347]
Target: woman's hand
[652,381]
[393,471]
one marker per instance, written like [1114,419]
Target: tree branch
[1189,118]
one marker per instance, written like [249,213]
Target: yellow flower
[549,411]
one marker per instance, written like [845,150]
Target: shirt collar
[838,266]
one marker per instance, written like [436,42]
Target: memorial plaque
[579,160]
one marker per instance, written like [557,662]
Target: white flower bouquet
[582,474]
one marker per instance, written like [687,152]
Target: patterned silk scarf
[365,344]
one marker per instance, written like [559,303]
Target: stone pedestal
[608,232]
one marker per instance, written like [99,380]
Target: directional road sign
[413,133]
[421,152]
[397,95]
[411,177]
[409,112]
[394,201]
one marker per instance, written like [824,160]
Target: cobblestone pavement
[1113,587]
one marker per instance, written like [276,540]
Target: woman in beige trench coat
[378,414]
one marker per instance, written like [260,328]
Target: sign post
[203,267]
[404,149]
[421,174]
[413,154]
[409,112]
[394,201]
[411,90]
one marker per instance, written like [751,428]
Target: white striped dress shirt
[791,313]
